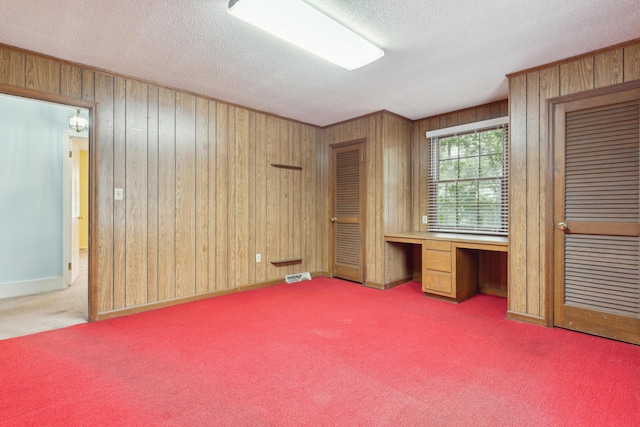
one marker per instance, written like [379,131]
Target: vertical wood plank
[407,133]
[451,119]
[484,269]
[393,198]
[152,194]
[70,81]
[297,196]
[467,116]
[166,194]
[325,208]
[379,201]
[42,74]
[307,193]
[261,195]
[344,131]
[88,85]
[495,268]
[495,111]
[576,76]
[401,144]
[251,198]
[415,177]
[390,169]
[185,194]
[12,67]
[357,128]
[292,175]
[213,196]
[504,108]
[533,194]
[202,196]
[136,169]
[608,68]
[232,188]
[241,201]
[370,255]
[104,203]
[315,139]
[273,199]
[549,88]
[284,206]
[632,63]
[119,181]
[518,195]
[425,159]
[504,272]
[483,112]
[326,204]
[222,224]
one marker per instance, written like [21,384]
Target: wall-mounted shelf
[282,166]
[285,262]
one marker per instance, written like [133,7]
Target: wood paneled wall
[388,159]
[528,225]
[201,198]
[397,134]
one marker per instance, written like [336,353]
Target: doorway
[78,201]
[596,238]
[38,291]
[348,210]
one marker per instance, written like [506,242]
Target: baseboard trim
[527,318]
[387,286]
[374,285]
[31,287]
[321,274]
[163,304]
[495,292]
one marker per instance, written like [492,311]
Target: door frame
[93,174]
[552,103]
[72,157]
[363,204]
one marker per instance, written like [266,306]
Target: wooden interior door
[597,215]
[348,212]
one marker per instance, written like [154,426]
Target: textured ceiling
[441,55]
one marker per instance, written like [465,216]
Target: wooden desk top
[459,239]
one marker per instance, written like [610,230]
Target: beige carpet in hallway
[43,312]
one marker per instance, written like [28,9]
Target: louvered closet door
[348,212]
[597,215]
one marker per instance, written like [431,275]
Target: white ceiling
[441,55]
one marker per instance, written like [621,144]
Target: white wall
[31,185]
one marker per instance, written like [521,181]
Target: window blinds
[468,178]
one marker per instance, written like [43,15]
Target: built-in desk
[450,260]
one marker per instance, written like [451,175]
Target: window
[468,178]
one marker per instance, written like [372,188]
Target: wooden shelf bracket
[283,166]
[285,262]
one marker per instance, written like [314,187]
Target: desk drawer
[437,260]
[438,245]
[437,282]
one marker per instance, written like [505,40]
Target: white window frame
[432,137]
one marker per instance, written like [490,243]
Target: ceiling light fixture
[299,23]
[77,122]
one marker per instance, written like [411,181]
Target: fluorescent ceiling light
[299,23]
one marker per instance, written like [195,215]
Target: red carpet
[320,353]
